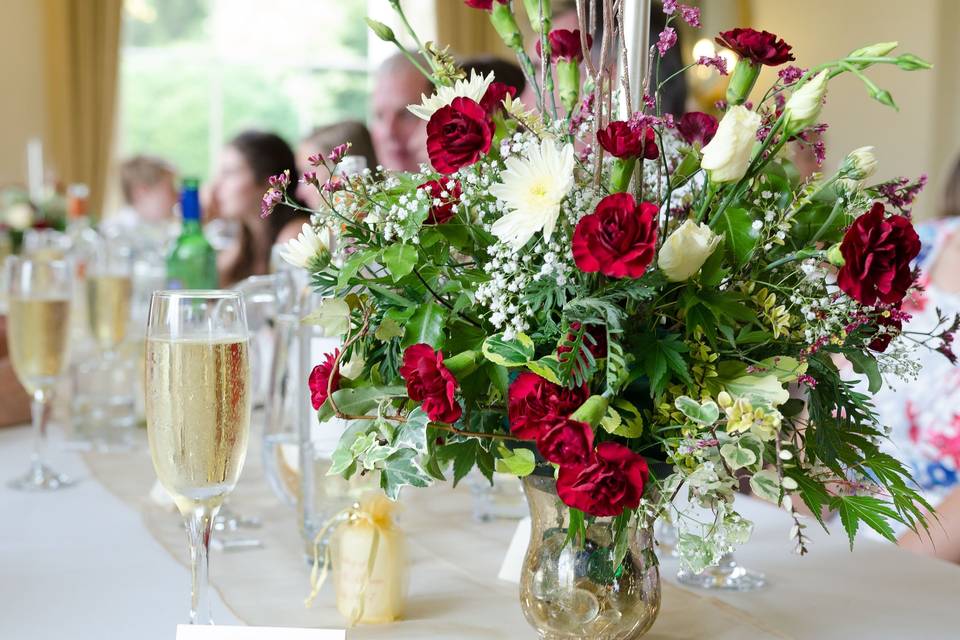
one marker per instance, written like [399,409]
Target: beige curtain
[82,40]
[468,31]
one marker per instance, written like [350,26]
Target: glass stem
[39,412]
[199,525]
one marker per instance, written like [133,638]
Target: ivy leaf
[508,353]
[705,414]
[400,260]
[765,485]
[358,401]
[332,315]
[425,326]
[736,456]
[400,469]
[412,433]
[353,264]
[388,329]
[741,238]
[342,457]
[519,462]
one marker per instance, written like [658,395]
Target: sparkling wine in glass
[198,411]
[39,293]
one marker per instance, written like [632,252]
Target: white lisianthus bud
[803,107]
[860,163]
[727,156]
[877,50]
[685,250]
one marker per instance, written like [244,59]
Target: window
[193,73]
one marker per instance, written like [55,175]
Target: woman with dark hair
[246,164]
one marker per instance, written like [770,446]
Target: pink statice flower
[717,62]
[270,200]
[338,152]
[790,74]
[310,177]
[334,184]
[900,192]
[315,160]
[690,15]
[669,7]
[668,38]
[280,181]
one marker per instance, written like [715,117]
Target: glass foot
[726,575]
[41,478]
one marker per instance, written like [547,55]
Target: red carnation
[322,378]
[565,45]
[618,239]
[430,383]
[486,5]
[535,403]
[458,134]
[566,441]
[624,140]
[759,47]
[440,213]
[696,127]
[492,100]
[613,480]
[877,252]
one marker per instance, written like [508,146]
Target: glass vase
[574,589]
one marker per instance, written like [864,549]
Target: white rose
[685,250]
[20,216]
[803,107]
[728,154]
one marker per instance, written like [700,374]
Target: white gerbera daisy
[303,249]
[533,188]
[474,88]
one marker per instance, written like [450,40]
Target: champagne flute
[39,293]
[109,289]
[198,411]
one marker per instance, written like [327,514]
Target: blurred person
[149,187]
[504,71]
[321,141]
[245,166]
[923,415]
[399,137]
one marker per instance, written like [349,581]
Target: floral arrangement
[642,305]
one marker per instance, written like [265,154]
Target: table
[98,562]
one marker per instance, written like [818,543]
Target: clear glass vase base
[729,579]
[40,477]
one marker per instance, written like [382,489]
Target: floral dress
[923,415]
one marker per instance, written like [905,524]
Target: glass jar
[571,590]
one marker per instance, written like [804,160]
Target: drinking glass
[198,411]
[104,402]
[726,575]
[39,292]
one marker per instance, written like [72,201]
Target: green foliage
[426,326]
[740,236]
[577,363]
[662,360]
[515,352]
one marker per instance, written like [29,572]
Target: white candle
[636,33]
[35,168]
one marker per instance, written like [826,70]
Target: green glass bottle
[192,263]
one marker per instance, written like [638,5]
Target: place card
[215,632]
[512,565]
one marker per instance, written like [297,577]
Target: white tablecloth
[81,564]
